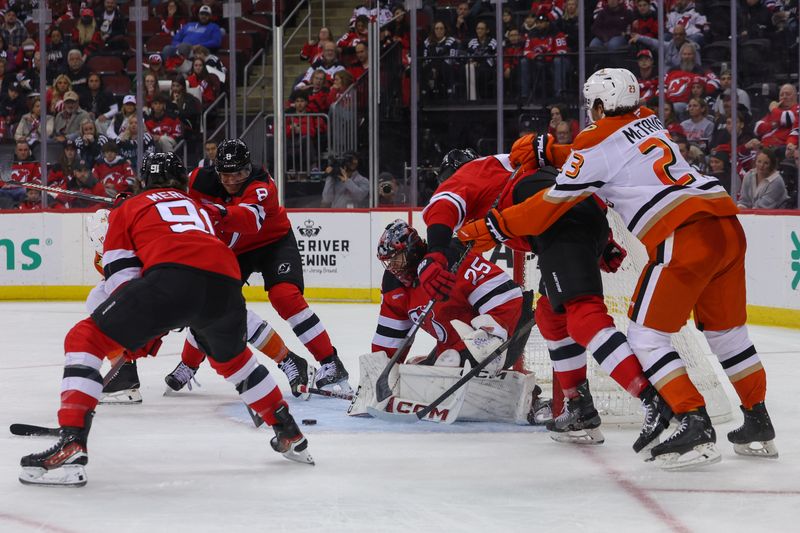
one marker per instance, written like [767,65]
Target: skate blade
[123,397]
[342,387]
[581,436]
[65,476]
[765,449]
[699,456]
[298,453]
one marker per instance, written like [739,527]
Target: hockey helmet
[453,160]
[615,87]
[96,228]
[232,156]
[400,249]
[163,169]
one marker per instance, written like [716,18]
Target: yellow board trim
[773,316]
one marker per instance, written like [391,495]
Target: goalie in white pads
[483,308]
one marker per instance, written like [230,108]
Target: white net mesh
[610,399]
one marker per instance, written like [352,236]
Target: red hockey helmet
[400,249]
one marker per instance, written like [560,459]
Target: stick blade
[27,430]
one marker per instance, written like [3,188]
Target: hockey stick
[422,413]
[382,388]
[66,192]
[257,420]
[327,393]
[30,430]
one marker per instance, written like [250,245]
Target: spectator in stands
[545,51]
[691,153]
[648,76]
[33,200]
[213,63]
[29,78]
[755,20]
[165,127]
[355,35]
[151,90]
[55,94]
[342,81]
[698,127]
[719,166]
[14,31]
[344,187]
[202,32]
[557,116]
[328,63]
[746,146]
[480,67]
[528,25]
[113,25]
[438,51]
[568,24]
[120,121]
[390,192]
[210,154]
[671,121]
[186,106]
[155,66]
[67,161]
[763,186]
[6,55]
[725,81]
[175,16]
[312,50]
[76,69]
[113,172]
[83,181]
[127,142]
[67,123]
[398,32]
[298,126]
[97,101]
[6,79]
[86,34]
[678,83]
[564,133]
[672,50]
[361,62]
[465,21]
[610,26]
[89,143]
[180,62]
[12,108]
[207,82]
[24,167]
[318,93]
[684,13]
[645,20]
[28,129]
[513,51]
[61,11]
[57,49]
[24,58]
[698,90]
[774,128]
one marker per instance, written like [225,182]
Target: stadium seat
[119,84]
[262,7]
[157,42]
[105,65]
[66,27]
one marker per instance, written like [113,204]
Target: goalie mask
[163,170]
[453,160]
[400,249]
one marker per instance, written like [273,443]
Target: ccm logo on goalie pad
[407,407]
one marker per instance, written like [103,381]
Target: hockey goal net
[613,403]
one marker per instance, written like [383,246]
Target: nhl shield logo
[308,229]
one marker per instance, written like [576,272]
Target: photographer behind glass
[390,191]
[345,188]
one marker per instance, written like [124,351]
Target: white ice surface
[195,463]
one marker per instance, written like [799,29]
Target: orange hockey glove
[532,151]
[486,233]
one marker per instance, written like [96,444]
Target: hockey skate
[288,440]
[63,465]
[182,376]
[755,437]
[541,409]
[579,422]
[332,375]
[657,415]
[123,388]
[690,445]
[299,373]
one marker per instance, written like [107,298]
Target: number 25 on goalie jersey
[482,288]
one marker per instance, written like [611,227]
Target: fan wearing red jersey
[571,314]
[696,249]
[243,203]
[165,269]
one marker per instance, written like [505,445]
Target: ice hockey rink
[194,461]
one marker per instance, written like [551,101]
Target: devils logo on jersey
[441,333]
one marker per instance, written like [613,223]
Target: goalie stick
[422,413]
[66,192]
[30,430]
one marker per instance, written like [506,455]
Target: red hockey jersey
[777,125]
[482,288]
[162,227]
[254,217]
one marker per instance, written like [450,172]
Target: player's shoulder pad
[390,283]
[206,181]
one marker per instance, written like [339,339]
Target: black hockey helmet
[163,170]
[232,156]
[453,160]
[400,249]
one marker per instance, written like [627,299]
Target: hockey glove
[486,233]
[482,339]
[119,198]
[216,213]
[151,348]
[435,277]
[613,255]
[531,152]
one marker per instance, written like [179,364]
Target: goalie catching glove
[482,338]
[613,255]
[486,233]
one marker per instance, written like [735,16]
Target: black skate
[541,408]
[123,387]
[333,376]
[299,373]
[690,445]
[657,415]
[756,435]
[579,422]
[182,376]
[64,464]
[288,439]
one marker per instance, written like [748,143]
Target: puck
[309,421]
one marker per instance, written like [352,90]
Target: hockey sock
[82,384]
[253,382]
[741,363]
[265,339]
[680,393]
[288,301]
[192,356]
[612,352]
[567,357]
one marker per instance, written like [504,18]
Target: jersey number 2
[184,216]
[663,163]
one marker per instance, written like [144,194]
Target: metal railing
[344,121]
[308,143]
[247,89]
[255,136]
[221,99]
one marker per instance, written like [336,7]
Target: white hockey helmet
[96,228]
[615,87]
